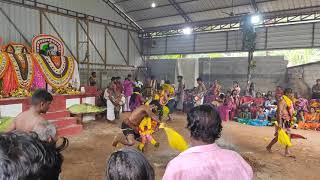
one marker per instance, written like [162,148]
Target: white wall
[28,22]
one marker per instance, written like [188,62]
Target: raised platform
[57,114]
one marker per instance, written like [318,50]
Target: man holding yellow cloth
[284,117]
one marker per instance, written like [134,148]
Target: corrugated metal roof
[199,10]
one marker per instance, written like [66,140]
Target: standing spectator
[93,79]
[205,159]
[26,157]
[138,83]
[199,92]
[119,98]
[316,90]
[109,96]
[129,164]
[128,89]
[153,83]
[252,90]
[215,89]
[180,93]
[236,87]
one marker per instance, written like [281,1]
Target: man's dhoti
[110,111]
[198,100]
[126,104]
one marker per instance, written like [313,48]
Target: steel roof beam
[236,19]
[122,14]
[164,5]
[180,11]
[213,9]
[118,2]
[32,4]
[254,5]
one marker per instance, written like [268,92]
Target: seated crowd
[262,107]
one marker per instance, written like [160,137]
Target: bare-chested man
[284,117]
[31,120]
[130,126]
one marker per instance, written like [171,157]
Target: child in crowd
[261,115]
[245,114]
[259,100]
[253,110]
[270,106]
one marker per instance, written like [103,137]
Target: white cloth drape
[126,104]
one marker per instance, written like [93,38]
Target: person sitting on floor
[261,115]
[26,157]
[259,100]
[253,110]
[31,120]
[270,107]
[245,114]
[205,159]
[128,164]
[300,103]
[312,120]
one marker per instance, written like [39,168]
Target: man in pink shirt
[205,160]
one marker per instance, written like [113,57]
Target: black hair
[24,156]
[180,77]
[199,79]
[221,96]
[93,73]
[159,111]
[118,77]
[233,91]
[129,164]
[204,123]
[113,78]
[129,75]
[41,95]
[288,91]
[167,82]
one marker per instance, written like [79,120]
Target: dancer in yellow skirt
[146,130]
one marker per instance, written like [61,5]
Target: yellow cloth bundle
[283,137]
[287,100]
[176,141]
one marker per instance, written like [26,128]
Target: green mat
[5,122]
[85,108]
